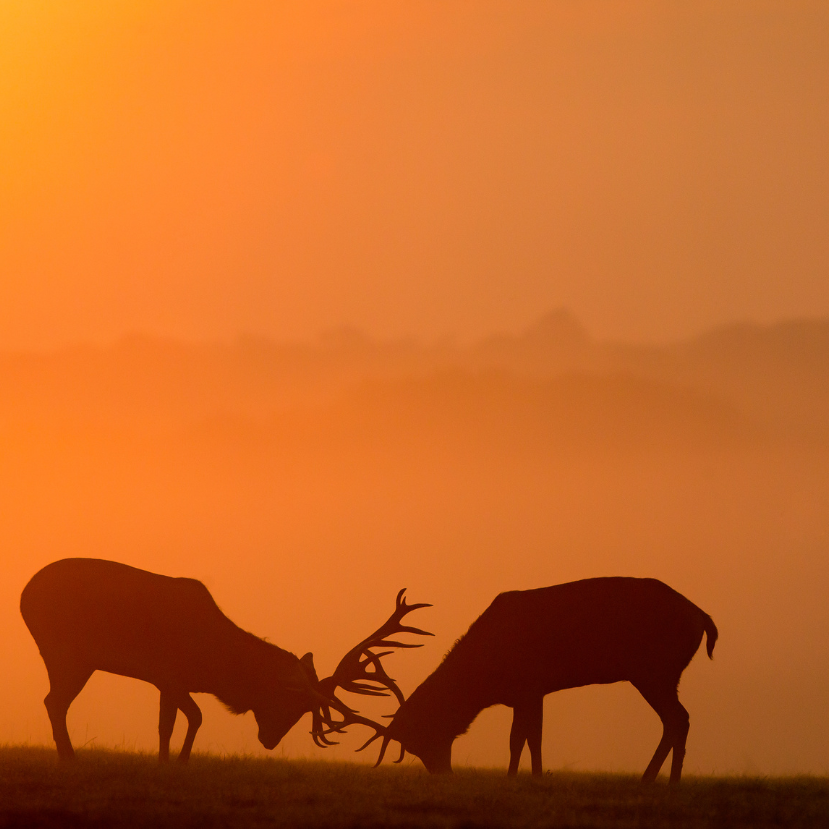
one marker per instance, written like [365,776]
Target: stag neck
[247,669]
[441,706]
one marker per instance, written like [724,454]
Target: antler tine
[400,601]
[380,671]
[360,688]
[321,740]
[383,747]
[317,731]
[370,740]
[353,671]
[324,724]
[322,717]
[361,671]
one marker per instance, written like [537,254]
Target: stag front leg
[517,738]
[534,729]
[194,719]
[527,721]
[166,722]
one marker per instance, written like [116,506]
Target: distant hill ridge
[776,375]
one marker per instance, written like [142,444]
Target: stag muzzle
[281,713]
[269,744]
[271,737]
[434,751]
[436,760]
[439,763]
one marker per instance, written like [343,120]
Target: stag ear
[307,663]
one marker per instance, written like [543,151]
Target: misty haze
[306,482]
[305,303]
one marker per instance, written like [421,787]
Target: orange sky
[205,169]
[201,169]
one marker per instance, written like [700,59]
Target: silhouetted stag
[530,643]
[90,614]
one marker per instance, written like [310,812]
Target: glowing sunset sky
[201,169]
[204,170]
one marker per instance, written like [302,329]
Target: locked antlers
[361,672]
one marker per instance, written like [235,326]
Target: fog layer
[305,483]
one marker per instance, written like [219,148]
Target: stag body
[530,643]
[90,614]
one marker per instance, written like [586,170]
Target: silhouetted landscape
[515,308]
[290,477]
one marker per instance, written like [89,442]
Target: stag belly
[543,667]
[511,692]
[151,662]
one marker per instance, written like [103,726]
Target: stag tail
[711,635]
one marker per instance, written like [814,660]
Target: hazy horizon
[306,484]
[341,333]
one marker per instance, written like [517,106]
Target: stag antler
[350,717]
[324,724]
[353,671]
[361,672]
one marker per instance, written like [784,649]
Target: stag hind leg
[167,711]
[65,683]
[675,723]
[527,723]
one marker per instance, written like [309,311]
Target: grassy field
[114,789]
